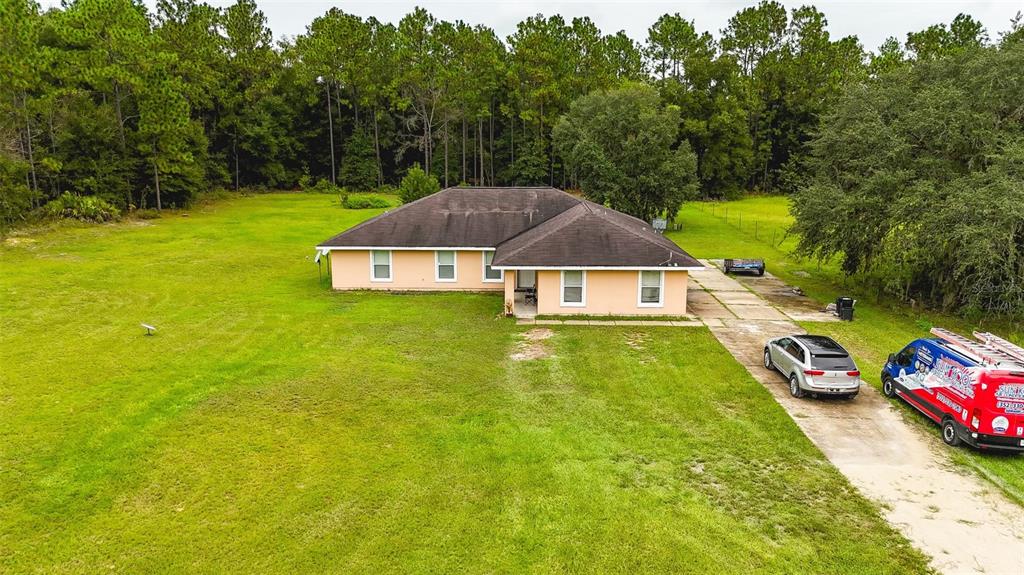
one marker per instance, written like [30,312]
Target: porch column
[510,292]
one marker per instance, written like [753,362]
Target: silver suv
[813,364]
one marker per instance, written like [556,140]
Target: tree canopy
[622,147]
[916,179]
[892,155]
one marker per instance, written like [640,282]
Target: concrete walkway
[962,522]
[662,323]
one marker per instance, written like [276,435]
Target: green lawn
[881,326]
[274,426]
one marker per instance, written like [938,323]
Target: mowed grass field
[272,425]
[880,326]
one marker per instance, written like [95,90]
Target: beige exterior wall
[410,270]
[510,290]
[611,292]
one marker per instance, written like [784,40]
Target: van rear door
[1007,402]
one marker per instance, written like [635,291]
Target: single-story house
[550,253]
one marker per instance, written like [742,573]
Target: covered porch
[521,293]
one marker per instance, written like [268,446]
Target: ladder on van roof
[1001,344]
[989,350]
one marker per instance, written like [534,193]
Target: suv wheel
[768,359]
[794,387]
[949,435]
[888,386]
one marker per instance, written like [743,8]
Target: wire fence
[762,230]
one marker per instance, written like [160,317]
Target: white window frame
[583,291]
[391,271]
[483,271]
[640,290]
[437,266]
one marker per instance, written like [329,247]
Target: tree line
[145,109]
[915,180]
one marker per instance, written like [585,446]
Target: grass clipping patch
[532,345]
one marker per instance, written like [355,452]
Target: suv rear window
[832,362]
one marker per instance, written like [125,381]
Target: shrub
[417,184]
[323,186]
[365,202]
[387,189]
[147,214]
[85,208]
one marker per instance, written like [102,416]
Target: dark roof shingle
[458,218]
[592,235]
[541,227]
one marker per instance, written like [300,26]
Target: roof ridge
[543,233]
[634,232]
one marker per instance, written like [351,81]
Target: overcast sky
[871,21]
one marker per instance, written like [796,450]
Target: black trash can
[844,308]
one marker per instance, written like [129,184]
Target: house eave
[407,248]
[604,268]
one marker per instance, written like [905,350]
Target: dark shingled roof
[589,234]
[459,218]
[541,227]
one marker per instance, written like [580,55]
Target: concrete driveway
[962,522]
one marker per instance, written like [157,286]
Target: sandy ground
[961,521]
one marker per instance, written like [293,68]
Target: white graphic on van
[946,373]
[1000,424]
[1010,406]
[1010,391]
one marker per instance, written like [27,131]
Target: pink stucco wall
[611,292]
[608,292]
[410,270]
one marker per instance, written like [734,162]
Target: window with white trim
[574,288]
[380,266]
[651,286]
[491,274]
[444,270]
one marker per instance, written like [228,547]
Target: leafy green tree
[1015,33]
[248,137]
[963,33]
[420,82]
[417,184]
[915,181]
[625,58]
[707,89]
[20,61]
[890,56]
[621,145]
[359,169]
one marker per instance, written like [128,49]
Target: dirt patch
[16,241]
[778,293]
[532,345]
[637,340]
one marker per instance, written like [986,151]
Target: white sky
[871,21]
